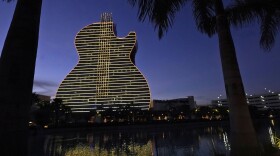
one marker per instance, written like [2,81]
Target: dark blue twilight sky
[183,63]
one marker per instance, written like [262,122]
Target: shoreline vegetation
[155,125]
[123,126]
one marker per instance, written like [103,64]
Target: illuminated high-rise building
[106,75]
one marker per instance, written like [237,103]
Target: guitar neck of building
[106,17]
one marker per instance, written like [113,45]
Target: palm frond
[144,7]
[161,13]
[265,12]
[243,12]
[204,14]
[270,26]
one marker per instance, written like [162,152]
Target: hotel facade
[106,76]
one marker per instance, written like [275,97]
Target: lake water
[159,140]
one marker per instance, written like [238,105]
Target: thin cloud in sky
[44,87]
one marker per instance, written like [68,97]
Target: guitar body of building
[106,76]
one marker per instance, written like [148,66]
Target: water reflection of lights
[136,150]
[227,145]
[272,122]
[275,141]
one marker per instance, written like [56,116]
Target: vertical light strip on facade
[106,75]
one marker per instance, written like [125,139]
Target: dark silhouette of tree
[17,65]
[172,112]
[42,115]
[212,18]
[60,112]
[223,111]
[48,113]
[40,111]
[35,99]
[56,105]
[203,112]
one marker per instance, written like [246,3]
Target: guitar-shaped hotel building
[105,76]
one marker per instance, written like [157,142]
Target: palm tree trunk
[17,65]
[243,137]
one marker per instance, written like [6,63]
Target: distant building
[106,76]
[165,105]
[261,101]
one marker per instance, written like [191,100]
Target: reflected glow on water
[176,140]
[226,142]
[136,150]
[275,141]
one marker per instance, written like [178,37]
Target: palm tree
[17,65]
[212,18]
